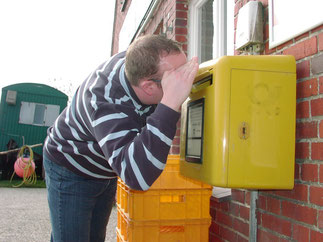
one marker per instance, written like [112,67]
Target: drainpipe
[253,216]
[253,225]
[254,49]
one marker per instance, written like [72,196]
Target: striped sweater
[107,132]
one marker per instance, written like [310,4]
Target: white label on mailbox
[195,130]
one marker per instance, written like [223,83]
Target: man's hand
[177,84]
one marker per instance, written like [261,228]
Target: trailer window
[38,114]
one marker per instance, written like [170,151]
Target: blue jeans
[79,207]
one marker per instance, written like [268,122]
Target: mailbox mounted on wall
[238,124]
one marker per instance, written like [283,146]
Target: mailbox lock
[244,130]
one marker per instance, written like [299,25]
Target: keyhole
[243,130]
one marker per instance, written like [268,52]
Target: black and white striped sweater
[107,132]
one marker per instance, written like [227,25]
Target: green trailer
[26,112]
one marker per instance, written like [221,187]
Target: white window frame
[222,28]
[219,44]
[223,43]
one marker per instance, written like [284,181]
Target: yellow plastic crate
[172,179]
[164,204]
[122,196]
[187,230]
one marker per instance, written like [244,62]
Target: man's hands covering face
[177,84]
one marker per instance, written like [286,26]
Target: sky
[53,42]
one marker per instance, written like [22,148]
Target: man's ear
[148,86]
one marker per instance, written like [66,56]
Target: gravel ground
[24,216]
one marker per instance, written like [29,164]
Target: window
[211,29]
[38,114]
[211,35]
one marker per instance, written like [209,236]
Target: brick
[321,129]
[265,236]
[213,237]
[224,206]
[181,6]
[244,212]
[320,40]
[307,88]
[302,150]
[217,229]
[285,44]
[317,107]
[300,193]
[320,219]
[317,151]
[178,132]
[223,218]
[181,31]
[234,209]
[303,49]
[241,239]
[317,29]
[321,173]
[241,226]
[214,227]
[302,36]
[228,234]
[262,202]
[300,233]
[175,150]
[303,109]
[321,85]
[276,224]
[181,23]
[273,205]
[176,141]
[316,236]
[309,172]
[247,197]
[306,130]
[310,46]
[214,203]
[317,64]
[303,69]
[212,212]
[238,195]
[316,195]
[181,14]
[300,213]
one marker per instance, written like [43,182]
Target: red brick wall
[294,215]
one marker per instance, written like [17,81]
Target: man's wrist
[171,105]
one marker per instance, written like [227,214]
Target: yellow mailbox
[238,124]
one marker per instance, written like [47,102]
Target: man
[114,128]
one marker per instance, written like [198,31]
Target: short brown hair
[143,56]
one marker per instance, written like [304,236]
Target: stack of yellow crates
[175,208]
